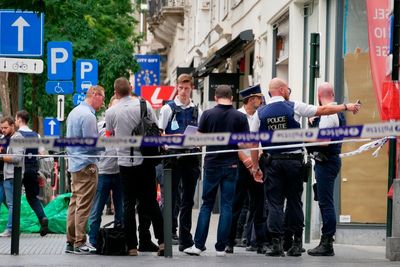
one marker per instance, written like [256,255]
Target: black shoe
[277,249]
[261,249]
[251,248]
[44,226]
[325,247]
[69,248]
[229,249]
[295,250]
[148,247]
[175,239]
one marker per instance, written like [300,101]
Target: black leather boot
[295,250]
[325,247]
[277,249]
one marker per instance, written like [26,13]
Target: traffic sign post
[78,98]
[21,33]
[59,60]
[60,108]
[157,94]
[86,74]
[21,65]
[59,87]
[51,127]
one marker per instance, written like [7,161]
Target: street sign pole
[61,189]
[20,91]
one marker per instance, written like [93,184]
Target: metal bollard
[167,213]
[16,213]
[396,209]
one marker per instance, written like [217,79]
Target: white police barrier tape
[368,146]
[293,135]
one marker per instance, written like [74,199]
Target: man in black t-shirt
[220,170]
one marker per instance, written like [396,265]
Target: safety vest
[30,161]
[278,116]
[181,118]
[334,149]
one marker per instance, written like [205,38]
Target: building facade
[305,42]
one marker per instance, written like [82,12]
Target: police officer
[283,167]
[245,184]
[327,167]
[174,119]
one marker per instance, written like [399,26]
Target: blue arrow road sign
[60,87]
[21,33]
[51,127]
[78,98]
[59,61]
[86,74]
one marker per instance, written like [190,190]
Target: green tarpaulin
[56,212]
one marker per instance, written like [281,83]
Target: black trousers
[284,182]
[139,183]
[185,173]
[246,186]
[31,184]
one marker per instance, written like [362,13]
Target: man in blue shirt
[220,170]
[81,122]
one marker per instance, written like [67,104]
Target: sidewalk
[49,251]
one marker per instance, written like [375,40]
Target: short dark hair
[8,119]
[223,91]
[122,86]
[23,115]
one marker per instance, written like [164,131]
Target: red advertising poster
[156,94]
[378,38]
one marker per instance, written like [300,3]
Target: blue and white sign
[51,127]
[21,33]
[86,74]
[59,61]
[149,73]
[59,87]
[78,98]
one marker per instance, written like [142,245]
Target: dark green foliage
[98,29]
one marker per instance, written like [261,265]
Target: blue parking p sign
[59,61]
[21,33]
[86,74]
[51,127]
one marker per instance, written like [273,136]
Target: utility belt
[288,156]
[182,151]
[323,156]
[306,165]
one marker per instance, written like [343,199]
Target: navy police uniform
[185,170]
[327,167]
[245,188]
[283,169]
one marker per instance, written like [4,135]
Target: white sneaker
[6,233]
[85,249]
[193,251]
[221,254]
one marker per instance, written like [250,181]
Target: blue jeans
[106,184]
[326,173]
[8,186]
[225,178]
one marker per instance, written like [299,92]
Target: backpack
[147,127]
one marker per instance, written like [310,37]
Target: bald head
[278,87]
[326,93]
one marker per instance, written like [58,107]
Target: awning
[223,53]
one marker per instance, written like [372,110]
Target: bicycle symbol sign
[59,87]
